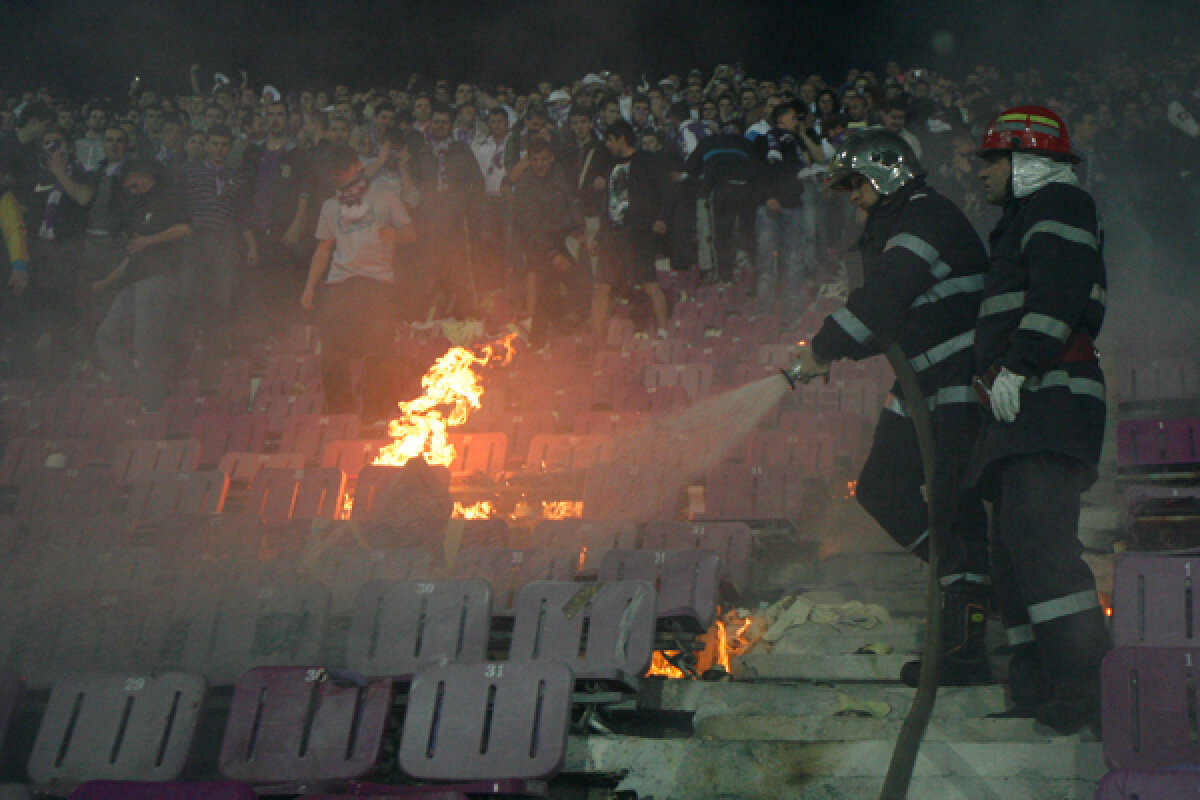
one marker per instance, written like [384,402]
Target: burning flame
[660,666]
[851,489]
[481,510]
[451,391]
[562,509]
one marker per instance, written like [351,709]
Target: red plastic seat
[564,452]
[242,467]
[309,433]
[278,496]
[157,497]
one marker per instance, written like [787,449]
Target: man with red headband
[1043,305]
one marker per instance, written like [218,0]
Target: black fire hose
[908,743]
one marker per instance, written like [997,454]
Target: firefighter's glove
[1006,395]
[806,366]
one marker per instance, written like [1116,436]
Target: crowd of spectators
[127,220]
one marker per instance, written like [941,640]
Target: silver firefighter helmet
[882,157]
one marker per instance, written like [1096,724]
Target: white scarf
[1031,172]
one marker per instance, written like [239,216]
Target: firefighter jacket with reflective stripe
[1046,282]
[923,267]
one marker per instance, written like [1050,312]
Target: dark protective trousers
[889,488]
[1046,593]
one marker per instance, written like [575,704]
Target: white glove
[1006,395]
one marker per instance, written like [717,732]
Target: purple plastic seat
[346,570]
[1162,784]
[303,725]
[749,492]
[250,619]
[398,627]
[604,632]
[619,490]
[1147,444]
[1154,602]
[590,539]
[732,541]
[1150,707]
[469,722]
[507,570]
[686,581]
[116,727]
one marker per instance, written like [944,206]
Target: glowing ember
[851,488]
[662,667]
[481,510]
[562,509]
[451,391]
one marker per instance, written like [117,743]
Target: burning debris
[452,391]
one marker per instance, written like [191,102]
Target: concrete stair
[793,723]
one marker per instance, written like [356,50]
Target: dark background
[84,46]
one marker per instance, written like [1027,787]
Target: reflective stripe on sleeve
[852,325]
[965,577]
[999,303]
[939,353]
[1059,607]
[1099,294]
[1019,634]
[917,542]
[922,250]
[1045,324]
[948,287]
[1061,230]
[1060,378]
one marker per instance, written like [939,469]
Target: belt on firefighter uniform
[1079,348]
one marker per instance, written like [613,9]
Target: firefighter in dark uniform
[923,267]
[1042,308]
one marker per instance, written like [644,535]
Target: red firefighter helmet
[1029,129]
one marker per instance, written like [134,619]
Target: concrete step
[904,635]
[674,769]
[707,699]
[757,665]
[874,570]
[812,728]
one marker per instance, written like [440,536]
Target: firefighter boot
[1027,684]
[964,634]
[1072,648]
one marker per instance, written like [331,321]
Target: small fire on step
[731,635]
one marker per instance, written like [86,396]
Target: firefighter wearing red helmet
[1039,379]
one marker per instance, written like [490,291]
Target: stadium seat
[140,458]
[351,455]
[296,727]
[399,627]
[565,452]
[309,433]
[278,496]
[159,496]
[604,632]
[492,721]
[1150,707]
[221,434]
[732,541]
[478,453]
[588,539]
[101,726]
[686,581]
[1153,600]
[279,408]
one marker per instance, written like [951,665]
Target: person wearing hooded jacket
[923,267]
[1043,306]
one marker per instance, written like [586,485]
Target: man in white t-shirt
[358,233]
